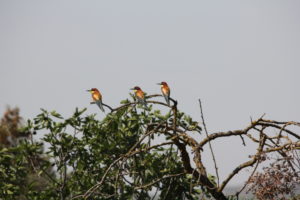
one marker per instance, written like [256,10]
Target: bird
[165,91]
[140,95]
[97,97]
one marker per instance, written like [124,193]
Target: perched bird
[165,91]
[140,95]
[97,97]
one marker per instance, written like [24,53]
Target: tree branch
[245,164]
[158,180]
[210,146]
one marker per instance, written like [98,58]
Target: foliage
[81,149]
[279,180]
[20,161]
[18,176]
[135,152]
[9,128]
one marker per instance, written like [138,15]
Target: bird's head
[93,90]
[136,88]
[163,83]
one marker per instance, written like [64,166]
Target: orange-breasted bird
[165,91]
[97,97]
[140,95]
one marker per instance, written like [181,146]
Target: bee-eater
[165,91]
[97,97]
[140,95]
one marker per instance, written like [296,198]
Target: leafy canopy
[127,155]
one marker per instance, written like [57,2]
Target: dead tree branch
[210,146]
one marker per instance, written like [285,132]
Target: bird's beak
[88,90]
[158,83]
[131,88]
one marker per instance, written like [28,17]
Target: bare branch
[210,146]
[246,164]
[246,183]
[263,123]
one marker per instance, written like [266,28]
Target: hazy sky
[242,58]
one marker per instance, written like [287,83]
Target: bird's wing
[100,105]
[167,99]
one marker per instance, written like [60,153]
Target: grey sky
[242,58]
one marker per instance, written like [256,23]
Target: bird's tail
[100,105]
[167,99]
[143,102]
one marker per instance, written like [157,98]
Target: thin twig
[246,183]
[210,146]
[158,180]
[251,162]
[92,189]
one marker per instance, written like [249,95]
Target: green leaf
[9,192]
[55,114]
